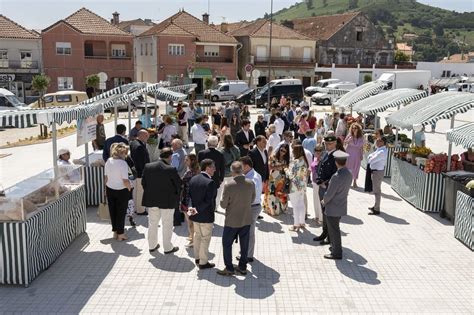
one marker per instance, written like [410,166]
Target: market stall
[464,197]
[416,175]
[360,93]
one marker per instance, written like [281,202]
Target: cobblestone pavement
[403,261]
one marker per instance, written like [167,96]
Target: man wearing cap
[335,203]
[326,168]
[377,161]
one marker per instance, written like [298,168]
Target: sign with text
[7,77]
[86,130]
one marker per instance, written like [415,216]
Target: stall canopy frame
[391,99]
[360,93]
[462,135]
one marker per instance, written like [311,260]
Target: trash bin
[454,181]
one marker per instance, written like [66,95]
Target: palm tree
[40,83]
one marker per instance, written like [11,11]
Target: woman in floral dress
[276,201]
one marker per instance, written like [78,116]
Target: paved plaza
[403,261]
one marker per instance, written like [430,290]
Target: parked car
[310,90]
[61,98]
[247,97]
[9,101]
[288,87]
[324,98]
[226,90]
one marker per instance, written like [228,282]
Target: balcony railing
[18,64]
[214,59]
[284,61]
[107,57]
[95,57]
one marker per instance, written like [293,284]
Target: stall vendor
[64,157]
[69,173]
[420,137]
[467,159]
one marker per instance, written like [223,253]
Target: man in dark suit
[119,137]
[244,138]
[202,194]
[237,198]
[161,192]
[326,168]
[217,157]
[260,126]
[259,156]
[140,157]
[335,203]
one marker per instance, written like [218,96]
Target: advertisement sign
[7,77]
[86,130]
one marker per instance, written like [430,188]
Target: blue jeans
[228,237]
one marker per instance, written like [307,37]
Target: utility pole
[270,53]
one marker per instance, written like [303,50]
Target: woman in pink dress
[354,144]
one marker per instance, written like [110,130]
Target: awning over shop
[381,102]
[462,135]
[431,109]
[359,93]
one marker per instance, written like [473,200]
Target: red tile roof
[456,58]
[87,22]
[323,27]
[232,26]
[184,24]
[261,28]
[10,29]
[124,24]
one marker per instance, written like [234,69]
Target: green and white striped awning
[430,109]
[120,90]
[462,135]
[381,102]
[337,92]
[359,93]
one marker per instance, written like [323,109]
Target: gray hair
[237,168]
[272,128]
[212,141]
[119,150]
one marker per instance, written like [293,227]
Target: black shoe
[330,256]
[132,222]
[374,212]
[196,261]
[241,271]
[324,242]
[249,259]
[207,266]
[259,217]
[319,238]
[154,249]
[225,272]
[143,213]
[174,249]
[371,208]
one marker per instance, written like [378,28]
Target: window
[146,49]
[3,59]
[285,52]
[307,54]
[63,48]
[151,49]
[26,60]
[141,49]
[64,98]
[346,58]
[118,50]
[211,51]
[224,88]
[121,81]
[48,99]
[359,36]
[176,49]
[173,79]
[261,53]
[65,83]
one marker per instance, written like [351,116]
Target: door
[199,83]
[18,89]
[306,82]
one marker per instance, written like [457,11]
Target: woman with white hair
[118,188]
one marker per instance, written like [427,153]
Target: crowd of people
[240,171]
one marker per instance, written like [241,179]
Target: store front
[20,85]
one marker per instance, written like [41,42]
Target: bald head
[176,144]
[143,135]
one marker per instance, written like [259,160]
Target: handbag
[103,211]
[287,185]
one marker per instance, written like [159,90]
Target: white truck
[226,90]
[412,79]
[9,101]
[310,90]
[323,97]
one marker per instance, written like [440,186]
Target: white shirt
[340,128]
[264,157]
[257,179]
[199,134]
[116,171]
[309,157]
[273,141]
[378,159]
[279,126]
[168,132]
[246,133]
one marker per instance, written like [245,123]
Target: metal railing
[284,61]
[214,59]
[19,64]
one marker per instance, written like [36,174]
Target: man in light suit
[335,203]
[237,198]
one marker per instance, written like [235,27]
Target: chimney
[224,27]
[205,18]
[115,18]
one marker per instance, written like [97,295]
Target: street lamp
[270,53]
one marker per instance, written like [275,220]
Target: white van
[226,90]
[9,101]
[310,90]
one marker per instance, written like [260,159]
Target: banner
[86,130]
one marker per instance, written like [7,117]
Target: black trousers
[335,235]
[118,204]
[324,234]
[228,237]
[368,179]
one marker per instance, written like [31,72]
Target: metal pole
[86,149]
[396,132]
[129,114]
[270,54]
[54,137]
[116,115]
[450,146]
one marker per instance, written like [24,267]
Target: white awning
[359,93]
[431,109]
[381,102]
[462,135]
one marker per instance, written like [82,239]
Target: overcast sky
[39,14]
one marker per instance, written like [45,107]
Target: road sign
[248,67]
[256,73]
[248,73]
[102,86]
[102,76]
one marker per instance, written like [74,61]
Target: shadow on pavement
[352,267]
[348,219]
[392,219]
[257,284]
[171,262]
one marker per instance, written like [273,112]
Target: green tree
[353,4]
[92,83]
[40,83]
[400,57]
[438,30]
[325,3]
[309,4]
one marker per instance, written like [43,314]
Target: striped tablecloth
[463,225]
[29,247]
[423,190]
[388,165]
[94,182]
